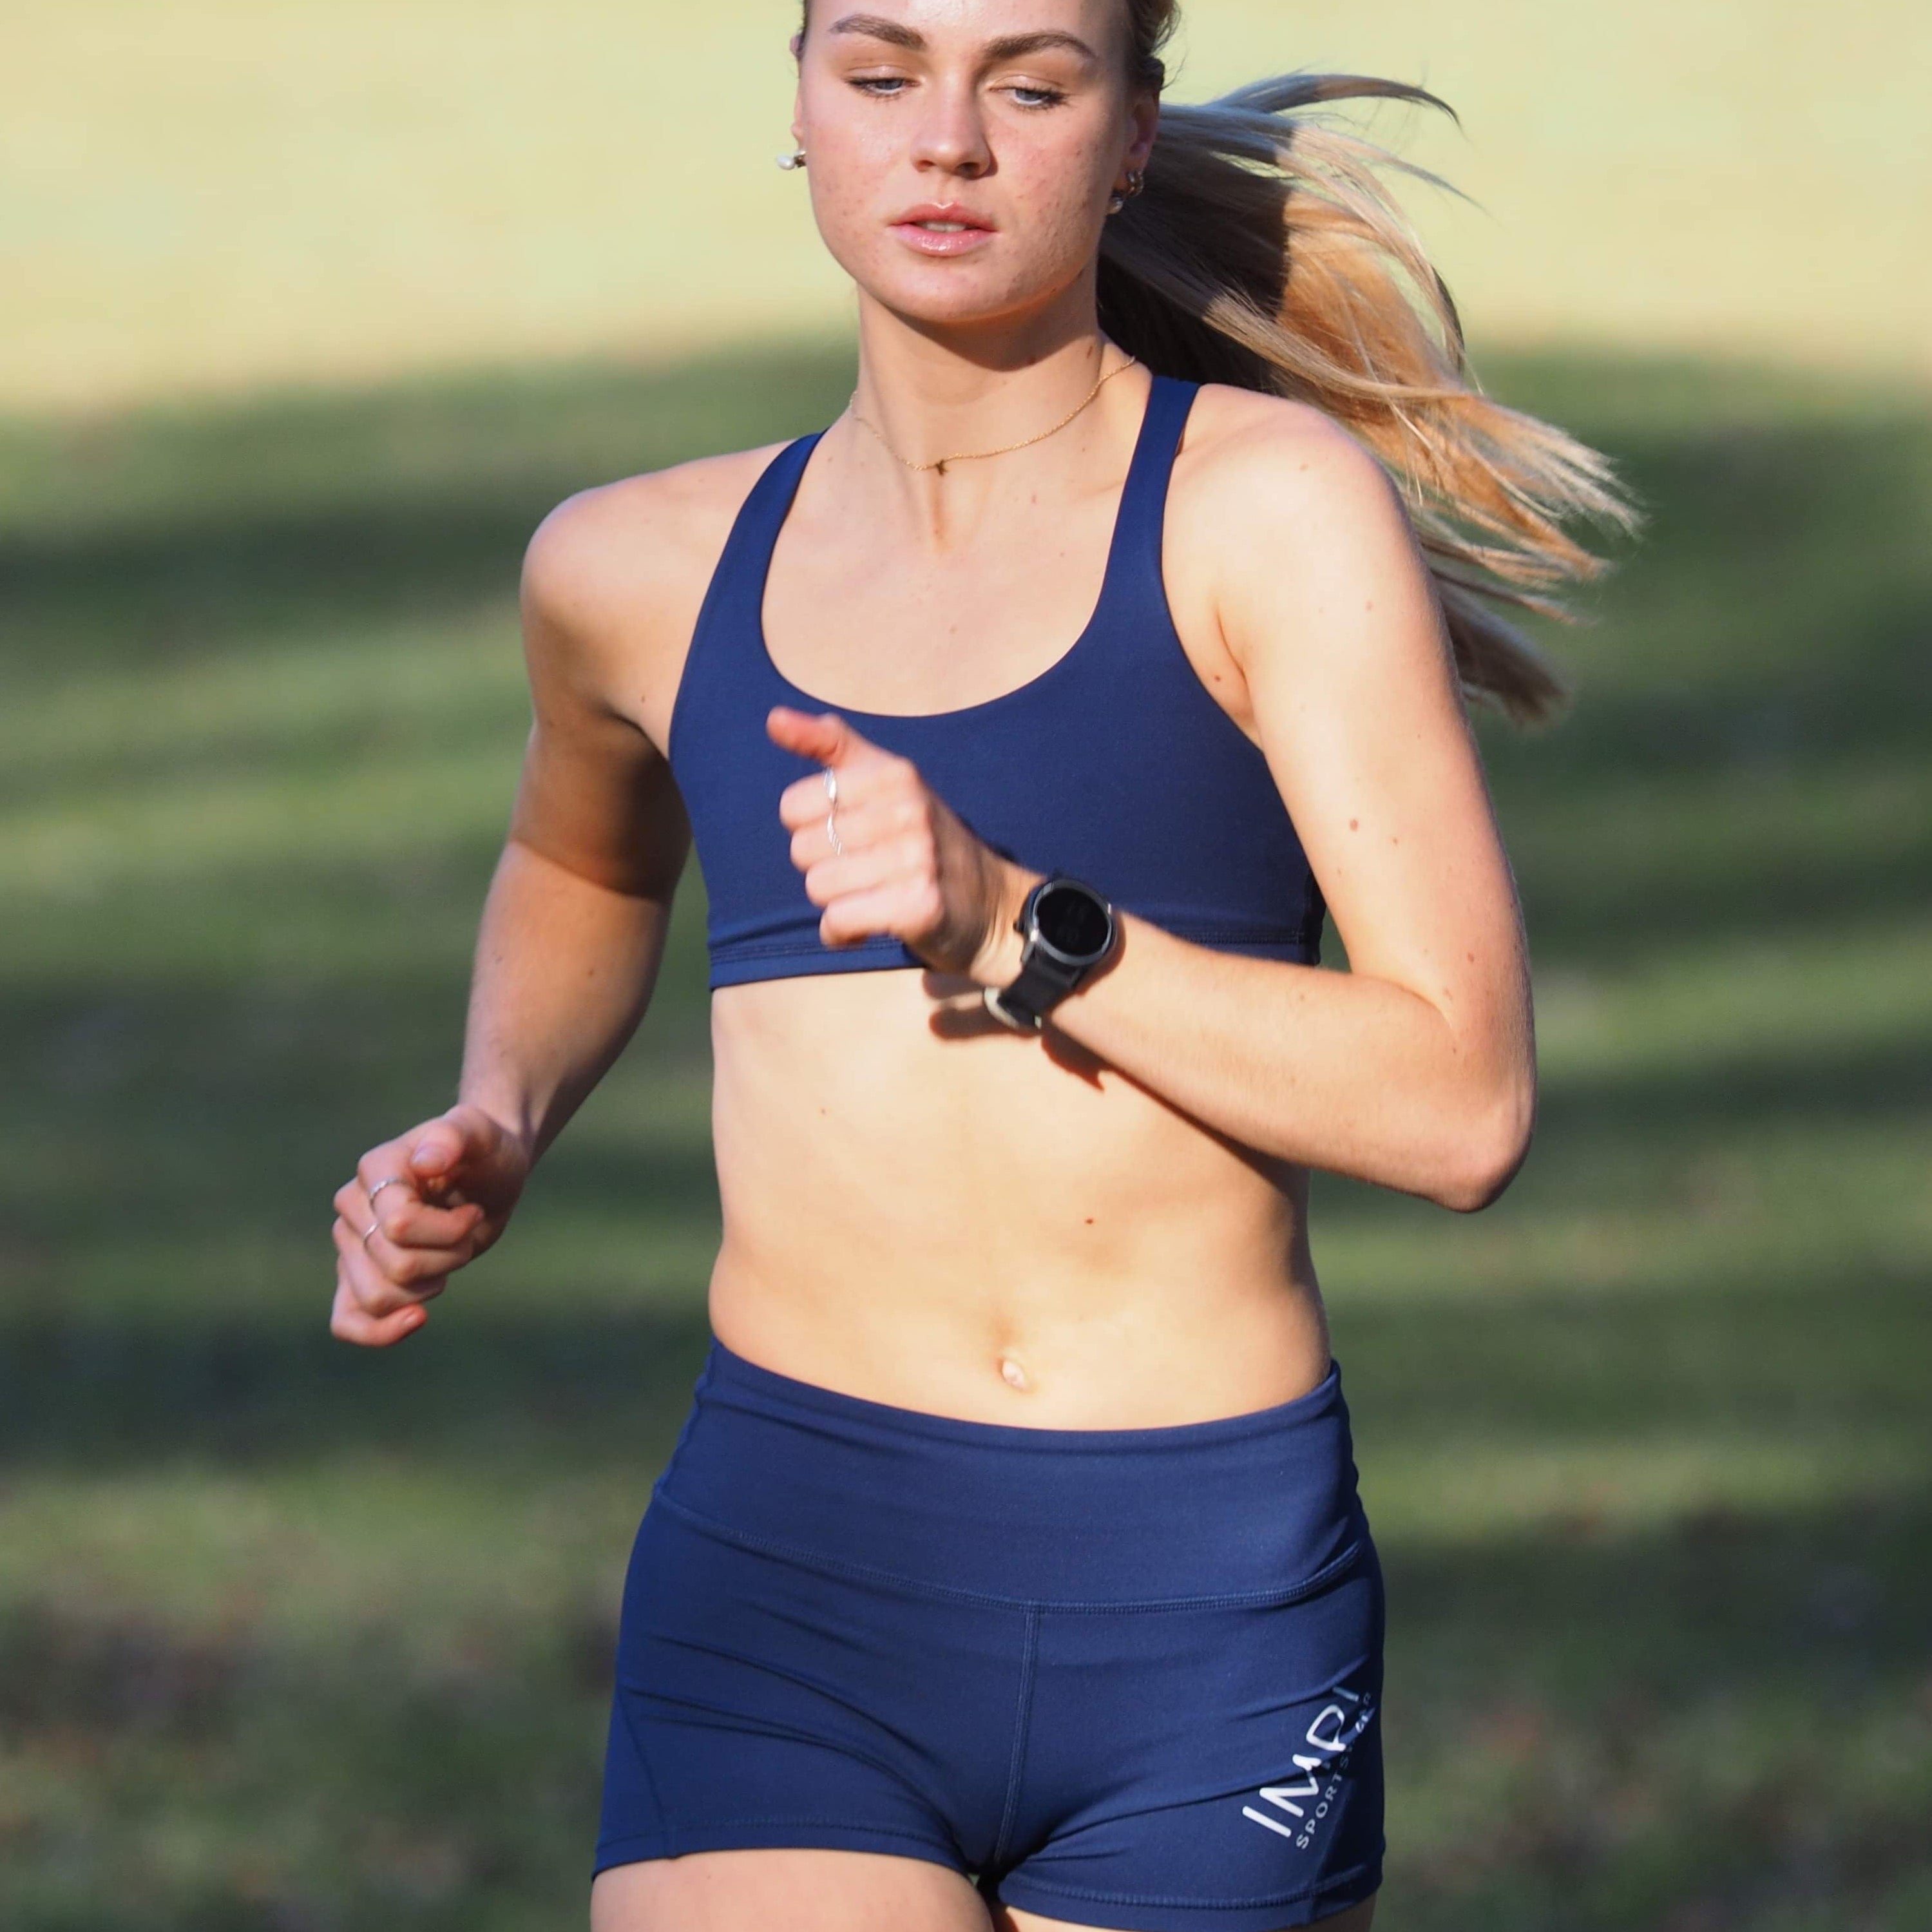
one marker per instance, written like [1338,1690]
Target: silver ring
[831,816]
[387,1181]
[367,1231]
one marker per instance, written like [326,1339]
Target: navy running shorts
[1130,1678]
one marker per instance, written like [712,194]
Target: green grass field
[295,1638]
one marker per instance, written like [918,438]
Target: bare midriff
[964,1220]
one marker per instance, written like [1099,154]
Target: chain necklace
[1005,448]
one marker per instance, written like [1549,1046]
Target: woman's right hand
[455,1180]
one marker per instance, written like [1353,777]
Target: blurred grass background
[294,1638]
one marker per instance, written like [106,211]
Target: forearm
[564,970]
[1340,1071]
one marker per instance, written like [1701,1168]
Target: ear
[1143,117]
[796,43]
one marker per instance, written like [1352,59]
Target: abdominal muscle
[978,1224]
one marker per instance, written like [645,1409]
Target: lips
[937,228]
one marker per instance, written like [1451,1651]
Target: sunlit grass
[215,194]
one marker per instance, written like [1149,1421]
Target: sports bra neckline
[1112,581]
[1115,763]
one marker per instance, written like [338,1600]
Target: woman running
[1009,1570]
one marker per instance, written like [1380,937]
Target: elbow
[1486,1146]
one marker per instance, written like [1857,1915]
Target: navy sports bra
[1114,764]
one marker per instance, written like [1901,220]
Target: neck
[928,392]
[935,391]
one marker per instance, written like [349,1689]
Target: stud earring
[796,159]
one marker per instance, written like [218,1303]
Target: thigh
[785,1889]
[1357,1918]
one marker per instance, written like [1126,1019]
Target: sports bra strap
[1143,512]
[736,594]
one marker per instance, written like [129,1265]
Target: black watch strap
[1040,984]
[1044,979]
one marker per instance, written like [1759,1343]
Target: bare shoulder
[1296,533]
[613,578]
[1263,460]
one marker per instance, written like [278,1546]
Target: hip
[1260,1504]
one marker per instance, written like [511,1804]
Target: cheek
[853,172]
[1049,183]
[1055,188]
[1055,174]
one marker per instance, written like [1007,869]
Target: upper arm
[612,581]
[1326,604]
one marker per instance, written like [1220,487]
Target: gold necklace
[1005,448]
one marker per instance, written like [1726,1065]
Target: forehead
[954,24]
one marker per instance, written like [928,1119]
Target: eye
[1026,95]
[884,86]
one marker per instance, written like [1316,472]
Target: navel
[1011,1371]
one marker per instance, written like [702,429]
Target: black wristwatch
[1069,928]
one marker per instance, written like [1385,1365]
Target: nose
[951,136]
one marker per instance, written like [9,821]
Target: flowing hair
[1264,251]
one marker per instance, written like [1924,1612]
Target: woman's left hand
[910,867]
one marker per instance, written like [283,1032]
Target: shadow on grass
[1775,630]
[553,1384]
[1727,1724]
[486,1384]
[1544,1777]
[1722,1723]
[168,535]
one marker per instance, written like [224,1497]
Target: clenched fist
[419,1207]
[884,854]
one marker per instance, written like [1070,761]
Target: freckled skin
[894,1186]
[895,1190]
[1059,167]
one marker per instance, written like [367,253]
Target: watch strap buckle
[990,997]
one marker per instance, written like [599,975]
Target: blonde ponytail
[1264,252]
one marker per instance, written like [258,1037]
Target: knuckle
[376,1298]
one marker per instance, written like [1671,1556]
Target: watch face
[1074,922]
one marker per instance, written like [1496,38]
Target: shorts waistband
[1254,1506]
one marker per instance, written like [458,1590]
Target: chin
[957,297]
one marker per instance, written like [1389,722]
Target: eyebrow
[1011,46]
